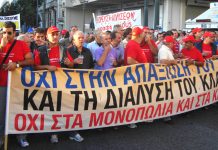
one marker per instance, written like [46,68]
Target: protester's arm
[168,62]
[45,67]
[103,57]
[194,62]
[152,46]
[131,61]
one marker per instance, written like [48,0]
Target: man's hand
[189,62]
[214,57]
[51,68]
[78,61]
[3,42]
[10,66]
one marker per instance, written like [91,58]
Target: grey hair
[115,28]
[21,37]
[77,33]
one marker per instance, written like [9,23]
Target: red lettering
[109,117]
[77,121]
[67,120]
[22,119]
[180,106]
[54,126]
[32,123]
[96,121]
[130,115]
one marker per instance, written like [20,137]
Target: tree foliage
[26,9]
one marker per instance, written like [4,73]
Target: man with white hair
[77,56]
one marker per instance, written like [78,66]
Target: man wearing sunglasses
[19,56]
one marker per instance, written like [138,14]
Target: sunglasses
[9,33]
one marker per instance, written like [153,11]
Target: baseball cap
[52,29]
[195,30]
[63,32]
[145,28]
[136,31]
[208,34]
[189,38]
[168,39]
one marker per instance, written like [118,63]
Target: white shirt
[165,53]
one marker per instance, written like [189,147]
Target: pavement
[196,130]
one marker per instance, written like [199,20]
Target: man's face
[106,39]
[98,38]
[118,39]
[53,37]
[27,40]
[175,34]
[9,34]
[73,30]
[120,30]
[39,38]
[79,39]
[199,34]
[31,36]
[188,45]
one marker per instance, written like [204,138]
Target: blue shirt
[112,55]
[92,47]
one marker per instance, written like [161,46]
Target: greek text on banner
[84,99]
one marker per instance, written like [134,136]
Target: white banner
[13,18]
[125,18]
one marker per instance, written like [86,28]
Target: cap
[136,31]
[168,39]
[189,38]
[64,31]
[52,29]
[208,34]
[145,28]
[195,30]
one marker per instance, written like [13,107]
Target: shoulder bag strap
[8,52]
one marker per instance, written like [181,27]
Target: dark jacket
[199,47]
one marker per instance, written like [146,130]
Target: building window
[62,13]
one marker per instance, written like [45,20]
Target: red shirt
[193,54]
[134,51]
[207,49]
[53,55]
[18,53]
[148,53]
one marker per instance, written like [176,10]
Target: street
[197,130]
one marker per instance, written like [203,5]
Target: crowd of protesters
[51,49]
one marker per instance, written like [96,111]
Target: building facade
[172,13]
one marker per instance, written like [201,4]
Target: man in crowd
[207,46]
[191,52]
[148,45]
[79,56]
[197,33]
[95,44]
[133,53]
[116,39]
[176,43]
[105,55]
[118,28]
[19,56]
[165,54]
[127,35]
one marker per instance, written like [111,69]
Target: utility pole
[37,3]
[44,13]
[156,14]
[145,12]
